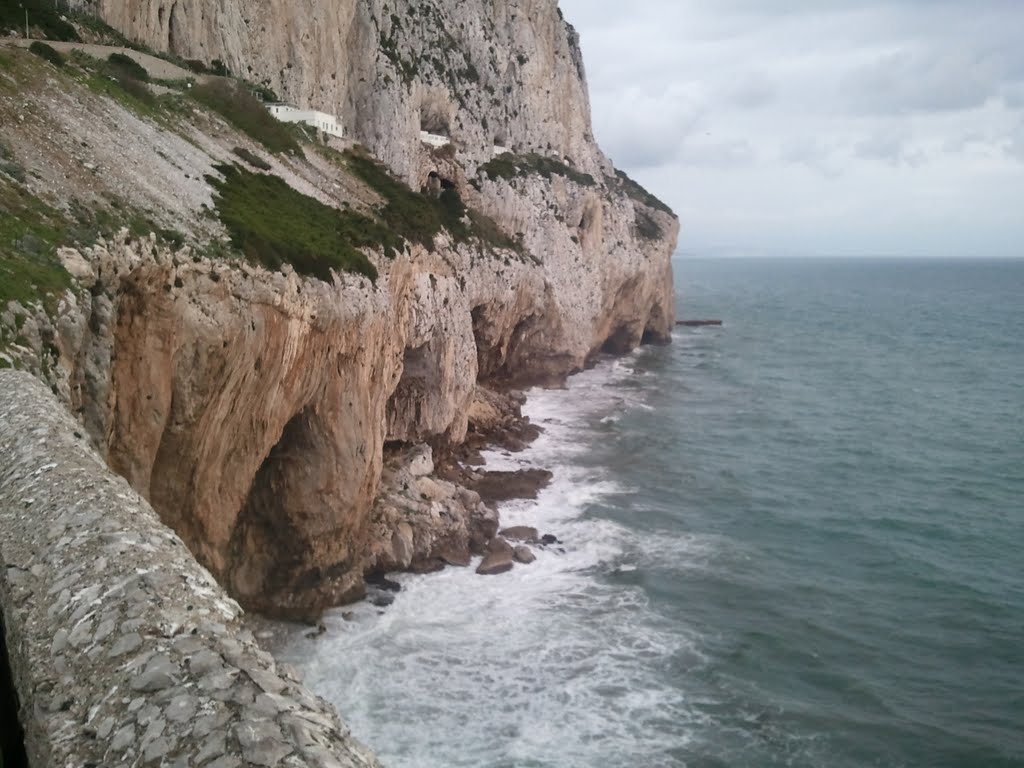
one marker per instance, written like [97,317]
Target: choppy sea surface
[795,540]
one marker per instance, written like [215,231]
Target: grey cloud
[920,81]
[730,153]
[753,92]
[641,129]
[881,103]
[889,148]
[1013,95]
[813,154]
[1014,146]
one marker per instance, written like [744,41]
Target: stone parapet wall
[123,649]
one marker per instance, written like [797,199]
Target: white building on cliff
[329,124]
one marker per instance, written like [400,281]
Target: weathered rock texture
[124,650]
[252,408]
[485,72]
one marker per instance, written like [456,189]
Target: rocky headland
[252,406]
[294,346]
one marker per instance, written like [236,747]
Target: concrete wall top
[123,649]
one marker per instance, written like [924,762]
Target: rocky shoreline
[441,503]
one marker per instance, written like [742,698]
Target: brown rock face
[524,555]
[499,559]
[252,432]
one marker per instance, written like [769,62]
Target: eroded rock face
[488,73]
[252,408]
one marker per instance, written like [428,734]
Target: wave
[560,663]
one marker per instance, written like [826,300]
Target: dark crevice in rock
[654,337]
[621,341]
[265,550]
[12,738]
[419,377]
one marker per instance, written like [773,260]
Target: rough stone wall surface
[124,650]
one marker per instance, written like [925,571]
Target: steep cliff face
[485,72]
[252,408]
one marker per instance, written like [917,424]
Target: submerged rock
[520,533]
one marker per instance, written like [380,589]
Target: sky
[803,127]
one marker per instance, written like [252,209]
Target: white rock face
[485,72]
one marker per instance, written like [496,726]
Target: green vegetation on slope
[638,193]
[509,166]
[252,158]
[239,107]
[47,52]
[413,215]
[126,66]
[272,224]
[30,232]
[418,217]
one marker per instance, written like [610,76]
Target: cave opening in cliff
[419,376]
[12,737]
[651,337]
[264,546]
[619,342]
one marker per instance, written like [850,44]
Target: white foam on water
[552,664]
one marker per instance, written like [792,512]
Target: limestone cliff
[485,72]
[252,407]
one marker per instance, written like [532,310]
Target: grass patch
[29,233]
[43,19]
[239,107]
[48,53]
[252,158]
[413,215]
[272,224]
[509,166]
[626,185]
[127,92]
[116,80]
[418,217]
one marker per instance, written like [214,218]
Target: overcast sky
[881,127]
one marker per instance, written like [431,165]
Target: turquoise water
[795,540]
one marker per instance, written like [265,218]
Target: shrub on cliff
[244,111]
[418,217]
[252,158]
[413,215]
[44,51]
[126,66]
[509,166]
[638,193]
[272,224]
[646,226]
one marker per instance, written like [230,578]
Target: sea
[793,540]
